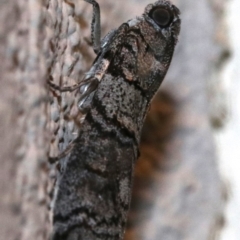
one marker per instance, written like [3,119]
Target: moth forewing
[94,190]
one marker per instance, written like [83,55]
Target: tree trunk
[177,192]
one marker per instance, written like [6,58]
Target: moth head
[164,18]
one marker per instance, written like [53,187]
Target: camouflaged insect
[94,189]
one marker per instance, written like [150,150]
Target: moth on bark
[94,188]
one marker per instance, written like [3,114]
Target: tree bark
[177,192]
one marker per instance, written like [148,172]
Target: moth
[94,188]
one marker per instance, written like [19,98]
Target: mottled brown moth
[94,188]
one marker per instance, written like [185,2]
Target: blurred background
[187,181]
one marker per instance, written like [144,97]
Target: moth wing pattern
[94,189]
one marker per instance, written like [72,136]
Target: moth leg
[87,90]
[63,154]
[63,89]
[95,26]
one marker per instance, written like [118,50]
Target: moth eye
[161,16]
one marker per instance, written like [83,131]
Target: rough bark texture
[177,193]
[39,40]
[23,118]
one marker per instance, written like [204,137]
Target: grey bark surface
[23,214]
[177,192]
[37,38]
